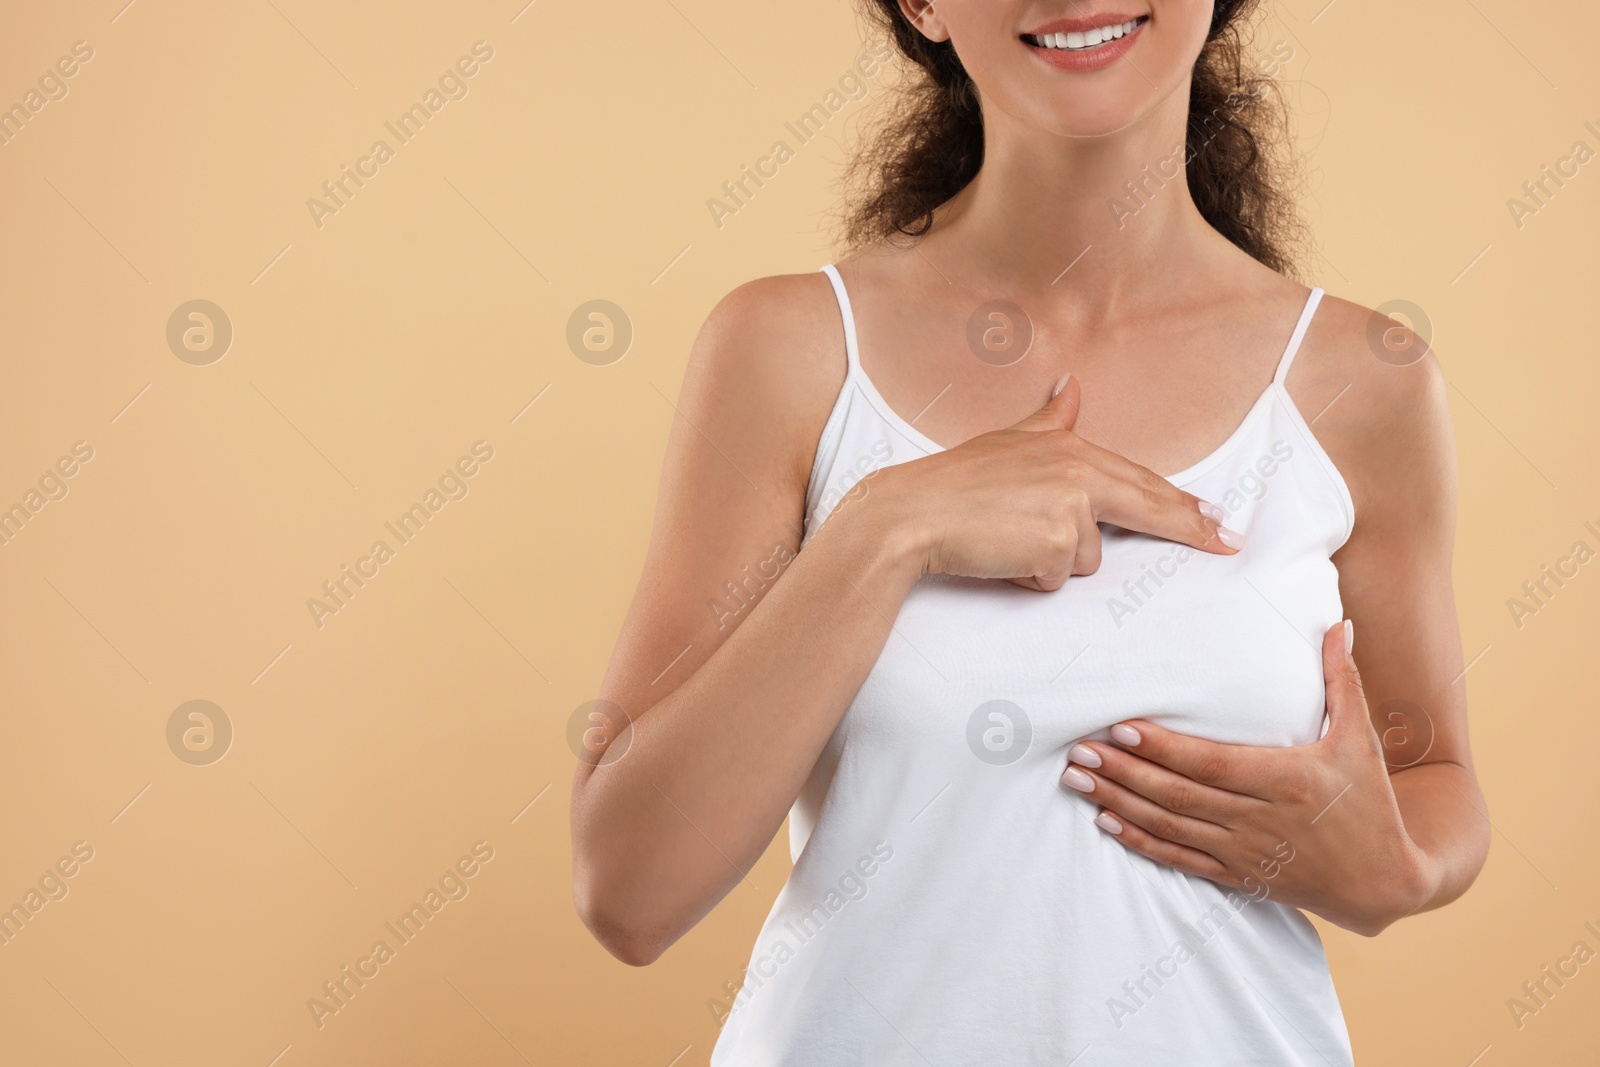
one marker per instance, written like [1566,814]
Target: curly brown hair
[930,144]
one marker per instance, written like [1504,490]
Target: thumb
[1060,412]
[1347,701]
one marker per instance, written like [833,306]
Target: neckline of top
[1189,473]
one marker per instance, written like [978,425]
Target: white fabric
[951,902]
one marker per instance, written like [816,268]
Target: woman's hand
[1023,503]
[1315,826]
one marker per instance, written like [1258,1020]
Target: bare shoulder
[1376,397]
[766,367]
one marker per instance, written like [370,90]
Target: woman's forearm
[711,770]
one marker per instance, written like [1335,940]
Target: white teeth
[1083,41]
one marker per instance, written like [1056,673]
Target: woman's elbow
[621,930]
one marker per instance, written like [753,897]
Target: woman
[1065,740]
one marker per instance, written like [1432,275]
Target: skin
[1165,334]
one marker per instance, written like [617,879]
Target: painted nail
[1211,511]
[1349,636]
[1125,734]
[1107,822]
[1078,780]
[1062,384]
[1229,537]
[1085,755]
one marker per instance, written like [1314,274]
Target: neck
[1102,220]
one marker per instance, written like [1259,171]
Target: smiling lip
[1081,25]
[1089,59]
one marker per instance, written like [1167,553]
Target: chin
[1086,69]
[1088,115]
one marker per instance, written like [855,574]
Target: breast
[1223,647]
[977,674]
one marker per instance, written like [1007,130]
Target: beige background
[425,315]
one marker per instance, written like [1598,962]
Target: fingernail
[1062,384]
[1125,734]
[1229,537]
[1078,780]
[1211,511]
[1108,823]
[1085,755]
[1349,636]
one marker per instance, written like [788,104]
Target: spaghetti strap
[852,354]
[1295,338]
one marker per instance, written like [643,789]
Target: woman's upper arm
[1389,433]
[761,379]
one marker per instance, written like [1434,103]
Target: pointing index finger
[1136,498]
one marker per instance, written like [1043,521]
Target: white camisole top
[952,903]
